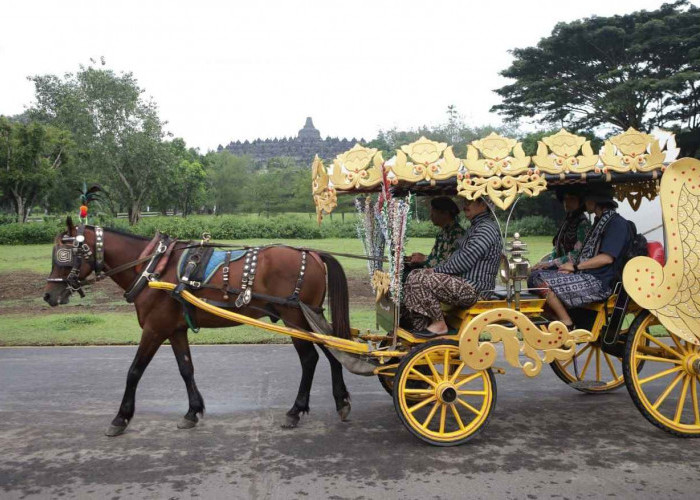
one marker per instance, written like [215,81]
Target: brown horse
[161,316]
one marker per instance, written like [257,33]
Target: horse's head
[73,260]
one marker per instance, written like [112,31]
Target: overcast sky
[223,70]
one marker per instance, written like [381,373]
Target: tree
[228,179]
[30,155]
[118,132]
[637,70]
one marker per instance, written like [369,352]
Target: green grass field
[123,328]
[100,328]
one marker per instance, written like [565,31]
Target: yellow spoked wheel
[598,371]
[453,402]
[666,389]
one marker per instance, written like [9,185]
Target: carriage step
[587,384]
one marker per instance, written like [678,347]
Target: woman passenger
[591,276]
[571,234]
[443,213]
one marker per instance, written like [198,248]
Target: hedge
[229,227]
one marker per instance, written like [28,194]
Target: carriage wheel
[666,389]
[454,402]
[598,371]
[386,379]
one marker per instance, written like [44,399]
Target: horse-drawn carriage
[444,390]
[645,336]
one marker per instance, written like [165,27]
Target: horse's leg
[308,357]
[340,392]
[150,342]
[181,349]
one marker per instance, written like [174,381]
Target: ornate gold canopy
[497,167]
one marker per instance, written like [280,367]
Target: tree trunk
[20,206]
[134,213]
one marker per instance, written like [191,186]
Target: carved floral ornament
[495,166]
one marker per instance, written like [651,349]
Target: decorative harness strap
[248,278]
[149,272]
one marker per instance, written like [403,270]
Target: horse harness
[192,278]
[73,251]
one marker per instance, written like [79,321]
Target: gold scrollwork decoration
[635,193]
[558,153]
[359,167]
[380,283]
[672,291]
[628,152]
[425,160]
[556,342]
[501,190]
[325,198]
[501,156]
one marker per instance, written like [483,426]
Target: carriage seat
[656,251]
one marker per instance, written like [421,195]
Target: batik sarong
[425,290]
[573,289]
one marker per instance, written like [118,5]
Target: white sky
[225,70]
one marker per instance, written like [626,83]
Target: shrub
[29,233]
[533,225]
[230,227]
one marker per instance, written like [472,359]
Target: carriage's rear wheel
[454,402]
[666,389]
[598,371]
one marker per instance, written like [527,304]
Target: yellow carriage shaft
[497,167]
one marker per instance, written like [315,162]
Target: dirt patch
[21,292]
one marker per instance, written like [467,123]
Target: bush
[7,219]
[533,225]
[29,233]
[234,227]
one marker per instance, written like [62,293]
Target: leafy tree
[118,132]
[30,155]
[637,70]
[228,179]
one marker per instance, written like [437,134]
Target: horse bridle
[72,251]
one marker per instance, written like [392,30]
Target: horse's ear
[70,226]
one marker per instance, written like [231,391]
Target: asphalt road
[545,440]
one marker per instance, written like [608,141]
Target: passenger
[590,277]
[443,213]
[459,281]
[571,234]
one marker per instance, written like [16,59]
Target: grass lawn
[123,328]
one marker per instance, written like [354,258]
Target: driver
[459,281]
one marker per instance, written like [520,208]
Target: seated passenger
[443,213]
[571,234]
[592,275]
[459,281]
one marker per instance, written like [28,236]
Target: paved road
[545,440]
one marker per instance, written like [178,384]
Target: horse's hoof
[344,412]
[115,430]
[291,423]
[186,424]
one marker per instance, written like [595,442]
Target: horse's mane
[125,233]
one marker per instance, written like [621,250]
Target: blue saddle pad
[215,262]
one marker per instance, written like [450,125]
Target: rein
[246,247]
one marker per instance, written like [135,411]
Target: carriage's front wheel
[451,404]
[666,390]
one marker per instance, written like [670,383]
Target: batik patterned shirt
[445,244]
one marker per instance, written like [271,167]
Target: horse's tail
[338,296]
